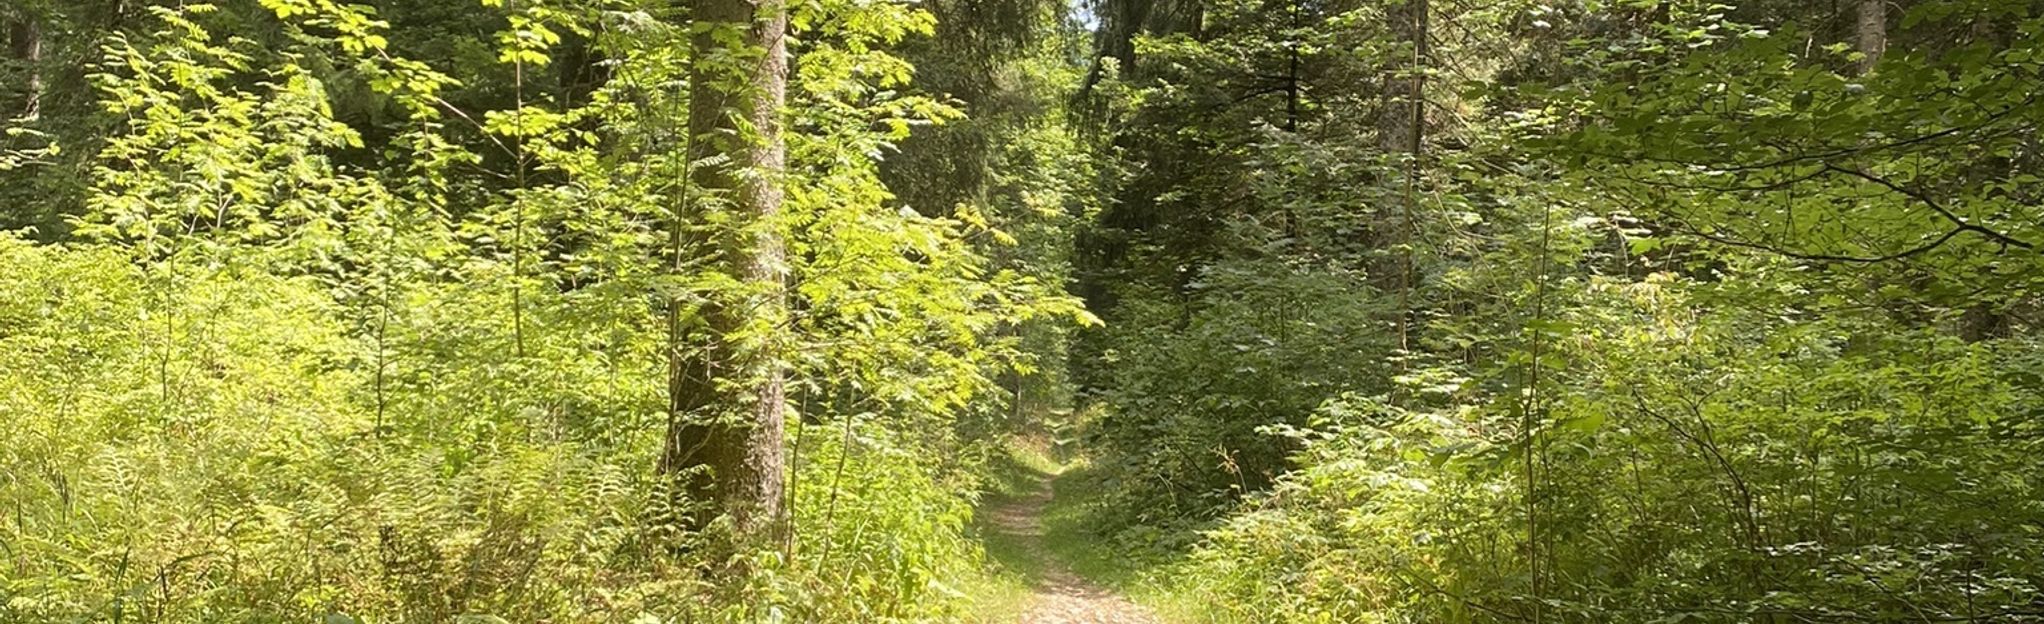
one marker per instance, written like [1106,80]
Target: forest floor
[1017,538]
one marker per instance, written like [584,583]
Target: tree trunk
[26,37]
[1401,133]
[1292,90]
[1399,126]
[1121,21]
[1873,34]
[725,381]
[1981,321]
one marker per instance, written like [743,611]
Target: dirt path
[1060,597]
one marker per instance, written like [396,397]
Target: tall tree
[26,36]
[1399,126]
[1401,131]
[726,398]
[1122,21]
[1873,33]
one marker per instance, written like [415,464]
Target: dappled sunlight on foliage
[1229,311]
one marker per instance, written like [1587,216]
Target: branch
[1962,224]
[1834,153]
[1682,226]
[1865,149]
[1685,228]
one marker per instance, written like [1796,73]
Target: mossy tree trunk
[727,402]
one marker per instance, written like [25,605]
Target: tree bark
[26,38]
[727,402]
[1873,34]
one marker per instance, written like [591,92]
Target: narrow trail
[1060,597]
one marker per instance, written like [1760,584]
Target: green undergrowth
[1126,562]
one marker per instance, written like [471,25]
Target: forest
[1036,311]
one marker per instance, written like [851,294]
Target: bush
[1688,468]
[206,446]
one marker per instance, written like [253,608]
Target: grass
[1017,471]
[1014,567]
[1016,564]
[1128,568]
[1069,537]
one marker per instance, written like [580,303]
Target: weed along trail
[1059,596]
